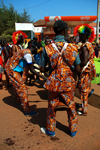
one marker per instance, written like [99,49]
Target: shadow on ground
[12,102]
[43,94]
[94,100]
[40,119]
[38,84]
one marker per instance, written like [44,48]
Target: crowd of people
[62,64]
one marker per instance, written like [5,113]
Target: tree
[8,17]
[25,17]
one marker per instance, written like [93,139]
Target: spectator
[1,69]
[96,50]
[7,53]
[47,40]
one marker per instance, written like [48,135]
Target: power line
[35,5]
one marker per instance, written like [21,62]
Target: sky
[38,9]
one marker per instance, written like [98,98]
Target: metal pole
[97,30]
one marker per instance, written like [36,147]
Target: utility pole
[15,16]
[97,30]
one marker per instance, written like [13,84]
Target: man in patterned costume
[14,68]
[18,38]
[62,58]
[86,35]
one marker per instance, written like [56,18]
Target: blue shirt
[20,67]
[27,59]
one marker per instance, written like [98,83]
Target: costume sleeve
[28,58]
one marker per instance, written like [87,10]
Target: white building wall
[28,27]
[24,26]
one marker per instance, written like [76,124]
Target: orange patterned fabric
[84,89]
[61,84]
[61,79]
[17,80]
[20,89]
[85,78]
[14,60]
[15,48]
[53,100]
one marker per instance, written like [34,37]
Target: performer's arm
[33,71]
[28,59]
[85,56]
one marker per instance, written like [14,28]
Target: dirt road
[20,132]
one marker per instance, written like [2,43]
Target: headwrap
[17,35]
[85,29]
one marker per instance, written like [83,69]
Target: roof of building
[94,24]
[40,22]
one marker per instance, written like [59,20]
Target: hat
[59,26]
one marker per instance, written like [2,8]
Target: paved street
[20,132]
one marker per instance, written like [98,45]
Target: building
[28,28]
[72,21]
[44,27]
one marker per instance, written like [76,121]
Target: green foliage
[8,17]
[8,37]
[9,31]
